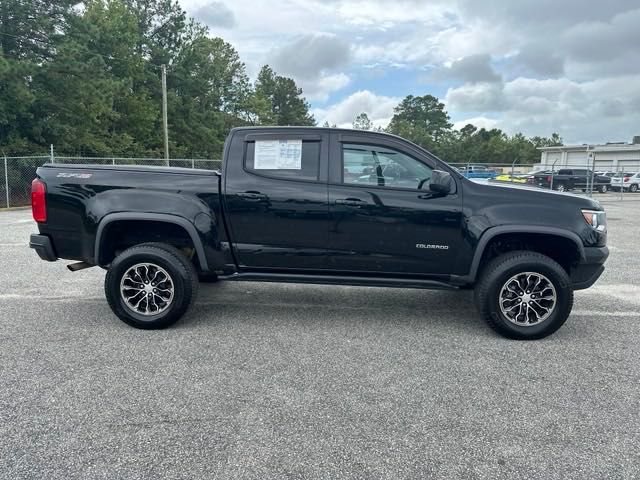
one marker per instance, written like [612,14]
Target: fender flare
[493,232]
[157,217]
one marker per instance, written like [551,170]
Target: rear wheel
[633,187]
[559,187]
[151,285]
[524,295]
[603,188]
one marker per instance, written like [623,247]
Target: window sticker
[278,155]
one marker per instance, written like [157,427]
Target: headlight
[596,218]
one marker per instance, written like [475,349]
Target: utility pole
[165,122]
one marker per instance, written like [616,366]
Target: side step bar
[338,280]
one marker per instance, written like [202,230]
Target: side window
[381,166]
[300,165]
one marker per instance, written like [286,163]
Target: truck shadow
[285,304]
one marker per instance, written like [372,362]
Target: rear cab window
[284,158]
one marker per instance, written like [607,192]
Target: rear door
[276,200]
[380,221]
[581,178]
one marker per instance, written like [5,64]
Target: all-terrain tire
[159,257]
[495,275]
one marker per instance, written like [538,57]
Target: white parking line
[621,291]
[593,313]
[80,298]
[17,222]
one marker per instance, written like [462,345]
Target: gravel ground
[272,381]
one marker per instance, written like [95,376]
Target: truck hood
[520,192]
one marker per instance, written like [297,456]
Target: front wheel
[524,295]
[603,188]
[151,285]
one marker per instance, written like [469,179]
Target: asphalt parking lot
[272,381]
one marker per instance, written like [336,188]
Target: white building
[610,157]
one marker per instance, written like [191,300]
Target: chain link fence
[603,180]
[17,173]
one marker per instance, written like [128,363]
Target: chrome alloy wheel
[147,289]
[527,299]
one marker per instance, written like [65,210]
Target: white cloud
[476,97]
[577,110]
[563,66]
[309,55]
[379,108]
[321,88]
[313,61]
[216,14]
[480,122]
[383,15]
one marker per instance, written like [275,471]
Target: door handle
[252,195]
[351,202]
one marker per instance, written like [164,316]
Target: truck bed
[82,197]
[135,168]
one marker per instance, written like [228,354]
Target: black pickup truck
[567,179]
[316,205]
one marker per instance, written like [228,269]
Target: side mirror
[441,182]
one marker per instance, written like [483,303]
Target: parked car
[567,179]
[302,205]
[478,171]
[519,177]
[629,181]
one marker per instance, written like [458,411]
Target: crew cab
[320,205]
[567,179]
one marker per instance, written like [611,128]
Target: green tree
[362,122]
[422,120]
[74,104]
[209,94]
[554,141]
[288,106]
[29,31]
[116,38]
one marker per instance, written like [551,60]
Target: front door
[381,220]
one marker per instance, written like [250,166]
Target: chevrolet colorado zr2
[320,205]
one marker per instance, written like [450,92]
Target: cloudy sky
[538,66]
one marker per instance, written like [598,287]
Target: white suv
[629,181]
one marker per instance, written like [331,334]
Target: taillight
[626,179]
[549,179]
[38,201]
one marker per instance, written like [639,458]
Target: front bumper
[587,272]
[43,247]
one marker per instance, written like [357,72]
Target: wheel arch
[188,227]
[540,231]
